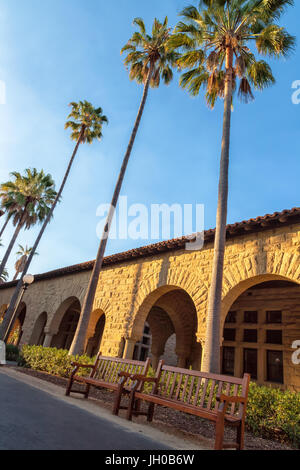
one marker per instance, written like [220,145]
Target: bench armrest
[78,365]
[144,379]
[125,374]
[233,399]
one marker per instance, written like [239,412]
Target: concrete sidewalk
[36,415]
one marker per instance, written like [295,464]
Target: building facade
[153,301]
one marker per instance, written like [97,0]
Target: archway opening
[95,333]
[169,329]
[259,331]
[38,334]
[70,314]
[17,329]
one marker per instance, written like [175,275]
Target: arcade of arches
[152,302]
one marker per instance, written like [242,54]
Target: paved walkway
[36,416]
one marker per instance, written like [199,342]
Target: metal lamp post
[28,279]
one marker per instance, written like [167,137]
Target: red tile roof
[266,222]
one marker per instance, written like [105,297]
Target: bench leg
[117,401]
[69,386]
[219,443]
[241,436]
[87,391]
[150,412]
[130,406]
[137,406]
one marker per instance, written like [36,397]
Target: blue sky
[57,51]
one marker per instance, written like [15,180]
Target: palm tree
[23,254]
[4,276]
[218,43]
[27,198]
[149,61]
[5,223]
[86,124]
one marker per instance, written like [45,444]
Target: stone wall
[127,291]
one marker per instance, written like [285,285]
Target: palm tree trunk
[4,226]
[211,359]
[10,310]
[78,343]
[11,245]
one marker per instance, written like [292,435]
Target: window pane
[250,336]
[274,316]
[274,337]
[275,366]
[250,317]
[143,354]
[231,317]
[229,334]
[228,361]
[250,362]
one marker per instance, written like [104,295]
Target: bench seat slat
[180,406]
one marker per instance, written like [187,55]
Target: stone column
[129,348]
[156,354]
[48,338]
[182,359]
[197,356]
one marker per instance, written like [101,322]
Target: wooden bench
[218,398]
[109,373]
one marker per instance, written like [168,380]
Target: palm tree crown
[221,26]
[22,254]
[28,197]
[150,53]
[85,119]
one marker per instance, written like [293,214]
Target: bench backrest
[200,389]
[108,368]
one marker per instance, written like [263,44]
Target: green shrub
[273,413]
[12,352]
[51,360]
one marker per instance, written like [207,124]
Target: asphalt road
[31,419]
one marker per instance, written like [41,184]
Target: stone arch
[64,323]
[54,323]
[260,322]
[172,307]
[17,329]
[236,290]
[95,332]
[38,334]
[3,309]
[154,286]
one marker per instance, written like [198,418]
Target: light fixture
[28,279]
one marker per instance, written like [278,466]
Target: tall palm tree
[28,199]
[4,276]
[5,223]
[219,42]
[20,264]
[149,61]
[86,124]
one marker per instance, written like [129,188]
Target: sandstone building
[153,300]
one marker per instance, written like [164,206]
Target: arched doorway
[17,329]
[169,319]
[38,334]
[96,333]
[259,330]
[68,313]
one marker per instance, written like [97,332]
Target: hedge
[271,413]
[12,352]
[51,360]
